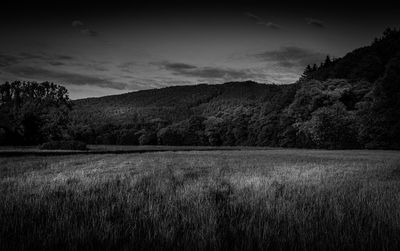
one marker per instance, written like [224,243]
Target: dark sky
[101,49]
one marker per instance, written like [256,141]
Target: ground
[215,200]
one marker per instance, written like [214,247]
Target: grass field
[217,200]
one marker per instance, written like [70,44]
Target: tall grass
[271,200]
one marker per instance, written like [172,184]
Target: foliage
[306,114]
[331,127]
[366,63]
[147,137]
[33,112]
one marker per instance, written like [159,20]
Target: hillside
[182,100]
[367,63]
[350,102]
[180,107]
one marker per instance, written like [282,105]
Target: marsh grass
[253,200]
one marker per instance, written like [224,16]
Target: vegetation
[32,113]
[349,102]
[247,200]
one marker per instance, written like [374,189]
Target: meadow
[256,199]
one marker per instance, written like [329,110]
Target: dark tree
[314,68]
[32,112]
[308,70]
[306,74]
[327,61]
[332,127]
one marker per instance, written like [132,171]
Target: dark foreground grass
[255,200]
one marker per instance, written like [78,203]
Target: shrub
[64,145]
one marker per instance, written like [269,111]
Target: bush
[64,145]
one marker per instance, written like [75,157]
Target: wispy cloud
[13,59]
[261,21]
[188,70]
[315,22]
[44,56]
[8,60]
[130,66]
[89,32]
[179,66]
[291,57]
[83,29]
[63,77]
[46,59]
[77,23]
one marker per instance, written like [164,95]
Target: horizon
[193,85]
[98,51]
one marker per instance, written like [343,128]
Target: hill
[174,103]
[350,102]
[102,120]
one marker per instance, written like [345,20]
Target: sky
[104,49]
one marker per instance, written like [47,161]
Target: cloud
[63,57]
[28,56]
[261,21]
[291,57]
[56,63]
[8,60]
[272,26]
[89,32]
[179,66]
[188,70]
[315,22]
[83,29]
[77,23]
[43,56]
[262,74]
[45,60]
[127,66]
[63,77]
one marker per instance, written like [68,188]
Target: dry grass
[274,199]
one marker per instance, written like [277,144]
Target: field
[202,200]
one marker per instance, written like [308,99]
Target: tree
[212,130]
[169,136]
[147,137]
[332,127]
[308,70]
[306,73]
[327,61]
[381,116]
[33,112]
[314,68]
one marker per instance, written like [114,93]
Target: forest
[342,103]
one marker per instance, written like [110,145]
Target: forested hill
[173,104]
[349,102]
[368,63]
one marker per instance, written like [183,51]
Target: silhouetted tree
[33,112]
[314,68]
[327,61]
